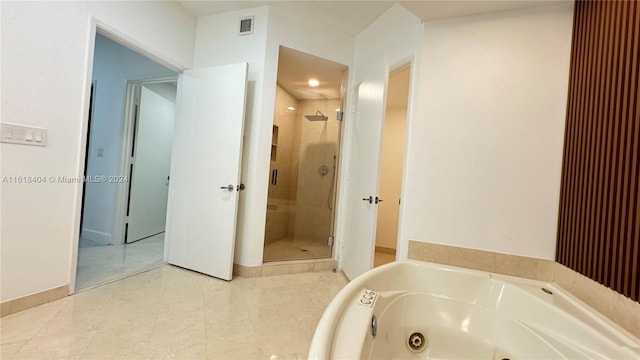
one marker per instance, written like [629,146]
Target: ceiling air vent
[246,25]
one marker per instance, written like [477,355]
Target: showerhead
[317,117]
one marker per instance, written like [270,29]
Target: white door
[205,169]
[151,162]
[358,245]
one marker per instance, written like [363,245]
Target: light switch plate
[23,135]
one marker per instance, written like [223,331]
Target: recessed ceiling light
[291,108]
[314,82]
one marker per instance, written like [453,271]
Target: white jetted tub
[419,310]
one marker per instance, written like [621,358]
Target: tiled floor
[172,313]
[99,264]
[289,249]
[382,258]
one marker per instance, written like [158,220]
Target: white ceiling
[354,16]
[350,17]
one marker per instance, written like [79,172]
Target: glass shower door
[302,187]
[304,154]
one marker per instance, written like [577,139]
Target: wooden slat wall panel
[599,220]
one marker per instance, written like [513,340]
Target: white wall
[46,72]
[485,149]
[217,43]
[113,65]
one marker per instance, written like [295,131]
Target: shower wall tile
[279,224]
[298,206]
[318,145]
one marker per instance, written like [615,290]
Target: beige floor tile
[9,350]
[284,342]
[307,309]
[220,330]
[172,313]
[222,315]
[242,345]
[185,340]
[26,324]
[262,297]
[56,345]
[122,342]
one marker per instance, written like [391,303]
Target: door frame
[401,253]
[134,88]
[412,102]
[96,26]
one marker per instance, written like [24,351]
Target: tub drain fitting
[417,342]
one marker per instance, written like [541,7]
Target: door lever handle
[378,200]
[228,187]
[369,199]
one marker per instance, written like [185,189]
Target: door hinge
[330,240]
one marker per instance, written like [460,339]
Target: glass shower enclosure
[304,156]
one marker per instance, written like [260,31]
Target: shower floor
[290,249]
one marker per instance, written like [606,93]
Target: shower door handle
[369,199]
[228,187]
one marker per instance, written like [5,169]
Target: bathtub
[431,311]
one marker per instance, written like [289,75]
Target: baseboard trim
[97,236]
[284,267]
[33,300]
[385,250]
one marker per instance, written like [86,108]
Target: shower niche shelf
[274,142]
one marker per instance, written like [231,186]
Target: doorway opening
[392,156]
[305,152]
[104,252]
